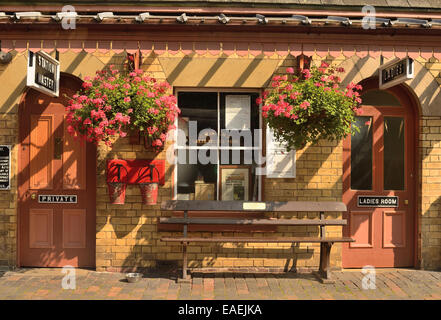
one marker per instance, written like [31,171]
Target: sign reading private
[43,73]
[377,201]
[396,72]
[5,167]
[48,198]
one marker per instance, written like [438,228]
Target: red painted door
[379,161]
[51,163]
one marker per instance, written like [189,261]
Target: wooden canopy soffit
[242,49]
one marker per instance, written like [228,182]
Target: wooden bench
[245,207]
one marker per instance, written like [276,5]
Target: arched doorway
[56,184]
[379,180]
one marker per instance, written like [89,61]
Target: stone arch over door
[424,87]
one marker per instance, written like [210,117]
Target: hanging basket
[117,192]
[149,193]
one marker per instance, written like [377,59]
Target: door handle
[406,202]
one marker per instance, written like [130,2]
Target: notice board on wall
[279,162]
[5,167]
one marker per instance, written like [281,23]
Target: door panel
[394,229]
[74,163]
[379,161]
[74,228]
[52,163]
[41,151]
[361,229]
[41,228]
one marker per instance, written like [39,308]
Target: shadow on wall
[430,222]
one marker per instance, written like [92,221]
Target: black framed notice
[5,167]
[57,198]
[377,201]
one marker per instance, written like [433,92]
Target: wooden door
[53,167]
[379,162]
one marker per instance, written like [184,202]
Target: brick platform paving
[90,285]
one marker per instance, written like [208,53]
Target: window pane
[197,181]
[201,109]
[361,155]
[393,153]
[379,98]
[243,138]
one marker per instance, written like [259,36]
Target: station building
[216,54]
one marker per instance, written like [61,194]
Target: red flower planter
[149,193]
[117,192]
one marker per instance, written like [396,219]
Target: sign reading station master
[43,73]
[61,198]
[377,201]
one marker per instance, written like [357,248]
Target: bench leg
[324,274]
[185,277]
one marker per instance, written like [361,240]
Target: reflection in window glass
[394,153]
[361,154]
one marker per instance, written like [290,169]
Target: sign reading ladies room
[377,201]
[43,73]
[5,167]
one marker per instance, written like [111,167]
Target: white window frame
[176,147]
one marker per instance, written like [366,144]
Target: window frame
[217,90]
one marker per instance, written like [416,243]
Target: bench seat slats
[250,239]
[286,222]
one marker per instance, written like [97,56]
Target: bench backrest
[273,206]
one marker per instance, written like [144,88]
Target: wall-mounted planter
[134,137]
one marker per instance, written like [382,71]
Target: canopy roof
[322,4]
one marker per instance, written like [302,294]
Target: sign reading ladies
[43,73]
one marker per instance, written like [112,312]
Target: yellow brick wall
[8,198]
[429,214]
[126,235]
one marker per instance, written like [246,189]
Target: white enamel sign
[43,73]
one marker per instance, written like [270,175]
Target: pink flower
[290,70]
[87,85]
[87,121]
[259,100]
[152,130]
[304,105]
[127,99]
[157,143]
